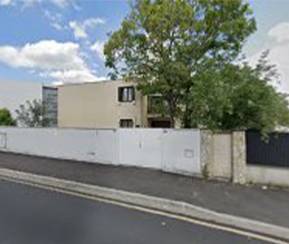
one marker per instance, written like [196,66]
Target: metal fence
[271,152]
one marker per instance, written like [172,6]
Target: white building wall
[181,151]
[141,147]
[106,146]
[65,144]
[170,150]
[267,175]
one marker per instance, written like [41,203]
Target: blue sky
[62,40]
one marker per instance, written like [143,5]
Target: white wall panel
[171,150]
[84,145]
[140,147]
[181,151]
[67,144]
[2,140]
[106,146]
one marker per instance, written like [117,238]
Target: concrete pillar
[239,157]
[207,152]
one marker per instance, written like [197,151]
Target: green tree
[165,46]
[235,97]
[31,114]
[6,118]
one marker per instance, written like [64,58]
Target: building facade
[106,104]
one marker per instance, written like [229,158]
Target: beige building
[106,104]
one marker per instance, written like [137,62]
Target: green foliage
[165,45]
[238,97]
[31,114]
[6,118]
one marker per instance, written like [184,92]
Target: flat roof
[88,82]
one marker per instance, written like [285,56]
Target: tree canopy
[6,118]
[184,50]
[237,97]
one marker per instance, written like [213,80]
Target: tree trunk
[186,118]
[172,121]
[172,113]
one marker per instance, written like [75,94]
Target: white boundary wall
[267,175]
[171,150]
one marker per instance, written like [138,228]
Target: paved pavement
[31,216]
[252,202]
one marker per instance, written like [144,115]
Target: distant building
[15,93]
[49,99]
[107,104]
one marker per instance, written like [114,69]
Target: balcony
[155,105]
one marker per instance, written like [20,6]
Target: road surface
[30,215]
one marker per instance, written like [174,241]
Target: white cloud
[56,26]
[279,56]
[70,76]
[67,76]
[279,53]
[280,32]
[46,54]
[61,3]
[60,61]
[80,28]
[28,3]
[55,20]
[5,2]
[98,47]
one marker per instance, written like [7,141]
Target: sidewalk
[270,206]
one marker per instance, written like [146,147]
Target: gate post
[239,157]
[207,152]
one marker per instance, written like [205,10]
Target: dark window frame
[129,97]
[126,123]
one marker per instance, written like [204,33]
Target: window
[126,123]
[126,94]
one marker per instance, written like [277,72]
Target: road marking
[153,211]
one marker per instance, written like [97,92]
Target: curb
[155,203]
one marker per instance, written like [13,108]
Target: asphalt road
[269,206]
[30,215]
